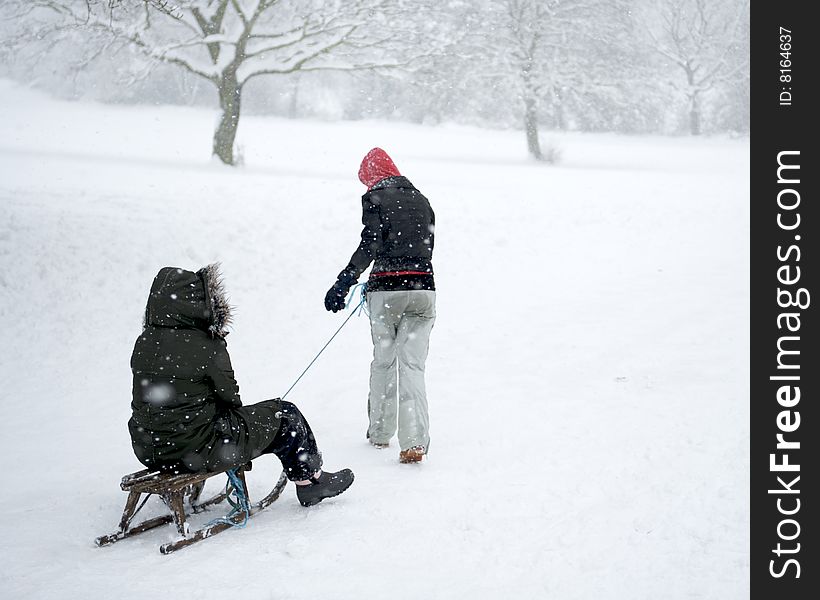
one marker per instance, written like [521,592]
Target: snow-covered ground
[588,371]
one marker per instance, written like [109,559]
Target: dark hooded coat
[398,234]
[398,238]
[186,411]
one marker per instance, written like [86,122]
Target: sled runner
[173,489]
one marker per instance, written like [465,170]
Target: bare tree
[546,49]
[526,22]
[165,6]
[706,42]
[231,42]
[562,64]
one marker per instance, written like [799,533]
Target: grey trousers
[400,324]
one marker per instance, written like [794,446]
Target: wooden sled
[173,490]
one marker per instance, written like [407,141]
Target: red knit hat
[376,165]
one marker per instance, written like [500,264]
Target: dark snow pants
[294,444]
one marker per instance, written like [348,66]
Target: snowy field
[588,371]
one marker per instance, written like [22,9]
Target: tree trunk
[558,110]
[694,101]
[230,95]
[694,115]
[531,127]
[293,107]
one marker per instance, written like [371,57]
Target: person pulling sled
[398,238]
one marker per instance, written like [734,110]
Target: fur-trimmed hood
[181,298]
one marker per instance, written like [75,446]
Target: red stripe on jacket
[388,273]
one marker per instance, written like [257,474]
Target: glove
[335,297]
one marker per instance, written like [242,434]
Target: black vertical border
[777,128]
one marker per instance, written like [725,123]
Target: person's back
[186,413]
[407,231]
[398,238]
[402,257]
[175,366]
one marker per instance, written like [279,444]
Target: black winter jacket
[186,411]
[398,238]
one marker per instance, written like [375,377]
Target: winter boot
[378,445]
[326,485]
[412,455]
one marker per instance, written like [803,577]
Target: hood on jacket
[376,165]
[181,298]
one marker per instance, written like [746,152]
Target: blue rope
[360,306]
[234,485]
[240,503]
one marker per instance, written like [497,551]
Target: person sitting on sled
[186,412]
